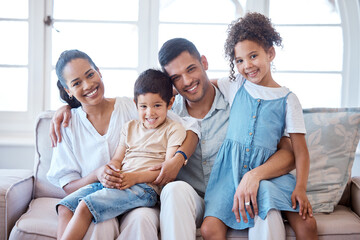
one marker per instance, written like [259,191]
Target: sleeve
[294,115]
[229,88]
[176,134]
[64,167]
[189,123]
[123,134]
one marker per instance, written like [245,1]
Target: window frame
[16,128]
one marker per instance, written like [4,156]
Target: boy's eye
[157,105]
[142,106]
[253,56]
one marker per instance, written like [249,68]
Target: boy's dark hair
[173,48]
[254,27]
[66,57]
[153,81]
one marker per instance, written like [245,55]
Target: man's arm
[280,163]
[171,167]
[61,116]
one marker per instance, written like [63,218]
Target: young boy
[143,143]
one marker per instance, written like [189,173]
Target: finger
[235,209]
[305,210]
[114,168]
[57,131]
[159,180]
[293,201]
[248,207]
[156,167]
[301,208]
[254,204]
[66,119]
[310,210]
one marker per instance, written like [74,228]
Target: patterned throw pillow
[332,138]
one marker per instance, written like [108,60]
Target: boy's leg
[64,217]
[304,229]
[271,228]
[182,211]
[213,228]
[79,223]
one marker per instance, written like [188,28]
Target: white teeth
[92,93]
[191,89]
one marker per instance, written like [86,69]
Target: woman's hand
[245,196]
[62,115]
[299,195]
[108,177]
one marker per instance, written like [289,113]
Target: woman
[90,141]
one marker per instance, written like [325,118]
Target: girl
[261,110]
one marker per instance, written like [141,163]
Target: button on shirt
[213,131]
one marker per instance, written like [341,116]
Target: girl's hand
[245,196]
[299,195]
[108,177]
[128,180]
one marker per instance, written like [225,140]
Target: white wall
[17,157]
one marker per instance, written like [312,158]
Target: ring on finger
[247,203]
[106,176]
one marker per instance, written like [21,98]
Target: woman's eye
[91,75]
[76,84]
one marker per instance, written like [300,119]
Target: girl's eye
[253,56]
[239,61]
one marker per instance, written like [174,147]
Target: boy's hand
[128,180]
[61,116]
[299,195]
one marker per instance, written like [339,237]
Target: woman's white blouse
[83,149]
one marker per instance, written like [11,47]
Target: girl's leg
[304,229]
[79,223]
[64,217]
[213,228]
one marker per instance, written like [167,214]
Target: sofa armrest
[16,188]
[355,194]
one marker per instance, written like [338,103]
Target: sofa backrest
[43,154]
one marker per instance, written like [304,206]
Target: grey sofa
[27,199]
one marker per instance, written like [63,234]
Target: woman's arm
[171,167]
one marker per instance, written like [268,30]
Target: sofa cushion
[43,154]
[332,137]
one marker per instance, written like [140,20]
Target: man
[182,204]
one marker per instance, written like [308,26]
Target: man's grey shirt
[213,131]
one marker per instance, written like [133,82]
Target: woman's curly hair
[254,27]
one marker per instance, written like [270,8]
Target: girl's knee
[213,229]
[207,230]
[310,225]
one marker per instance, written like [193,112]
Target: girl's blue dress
[255,128]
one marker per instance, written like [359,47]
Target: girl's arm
[131,178]
[302,162]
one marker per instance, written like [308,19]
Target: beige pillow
[332,137]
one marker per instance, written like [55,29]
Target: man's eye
[174,79]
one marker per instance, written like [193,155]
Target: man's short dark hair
[173,48]
[153,81]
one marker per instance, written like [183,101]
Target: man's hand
[62,115]
[299,195]
[245,197]
[168,169]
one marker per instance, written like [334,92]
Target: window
[123,38]
[310,62]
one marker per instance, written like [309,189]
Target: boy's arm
[171,167]
[131,178]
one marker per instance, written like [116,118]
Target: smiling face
[253,62]
[84,82]
[188,75]
[152,109]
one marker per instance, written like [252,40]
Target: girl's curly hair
[254,27]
